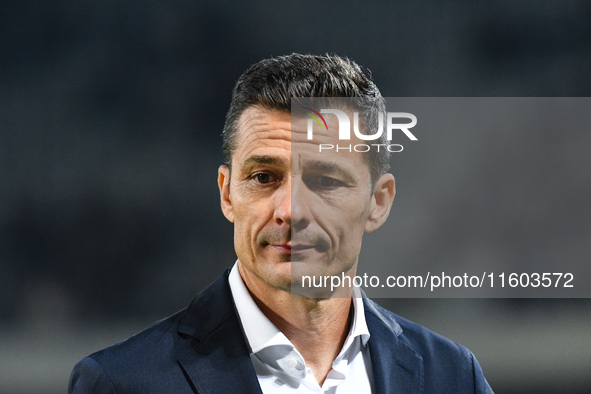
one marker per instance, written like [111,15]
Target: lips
[282,241]
[301,248]
[282,248]
[288,247]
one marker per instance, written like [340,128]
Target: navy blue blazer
[202,349]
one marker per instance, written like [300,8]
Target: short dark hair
[272,83]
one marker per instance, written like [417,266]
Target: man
[295,212]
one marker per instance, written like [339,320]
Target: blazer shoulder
[443,359]
[134,362]
[159,335]
[148,362]
[89,376]
[422,340]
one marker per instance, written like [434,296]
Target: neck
[316,327]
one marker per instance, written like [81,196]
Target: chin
[278,275]
[281,283]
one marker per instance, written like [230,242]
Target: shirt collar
[261,333]
[359,325]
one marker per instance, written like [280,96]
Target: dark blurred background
[110,122]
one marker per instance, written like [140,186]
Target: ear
[224,186]
[381,202]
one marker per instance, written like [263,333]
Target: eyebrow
[262,159]
[323,166]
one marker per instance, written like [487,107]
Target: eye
[323,183]
[327,181]
[263,177]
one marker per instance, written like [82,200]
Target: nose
[290,207]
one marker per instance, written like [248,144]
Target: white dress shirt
[280,368]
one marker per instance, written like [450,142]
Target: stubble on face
[260,193]
[292,204]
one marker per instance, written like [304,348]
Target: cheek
[345,219]
[246,227]
[350,240]
[347,231]
[242,241]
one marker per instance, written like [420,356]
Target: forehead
[257,123]
[273,133]
[261,132]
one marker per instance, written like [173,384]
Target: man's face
[288,202]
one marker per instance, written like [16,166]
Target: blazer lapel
[219,358]
[396,367]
